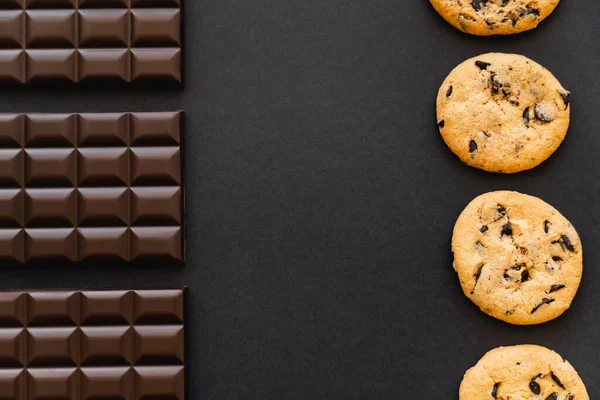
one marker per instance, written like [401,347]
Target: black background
[321,198]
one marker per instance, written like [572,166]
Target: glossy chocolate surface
[125,344]
[77,40]
[77,186]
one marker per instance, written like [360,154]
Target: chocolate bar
[79,40]
[76,186]
[92,345]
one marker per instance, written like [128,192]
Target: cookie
[517,257]
[494,17]
[522,372]
[502,112]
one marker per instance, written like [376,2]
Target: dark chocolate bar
[90,185]
[77,40]
[83,345]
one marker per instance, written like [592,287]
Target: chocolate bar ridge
[92,344]
[78,186]
[80,40]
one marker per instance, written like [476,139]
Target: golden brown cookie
[502,112]
[522,372]
[517,257]
[494,17]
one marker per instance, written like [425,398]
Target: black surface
[321,198]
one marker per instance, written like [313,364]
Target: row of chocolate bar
[79,186]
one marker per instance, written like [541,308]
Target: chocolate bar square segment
[104,64]
[159,382]
[12,309]
[156,129]
[160,63]
[11,208]
[106,383]
[54,243]
[51,65]
[104,166]
[12,244]
[11,29]
[156,242]
[156,27]
[51,29]
[104,207]
[103,28]
[50,208]
[156,206]
[12,66]
[50,4]
[12,130]
[53,308]
[158,307]
[12,348]
[104,243]
[159,345]
[52,347]
[12,4]
[52,383]
[51,130]
[12,384]
[107,307]
[104,3]
[104,129]
[155,3]
[107,346]
[51,167]
[155,166]
[11,168]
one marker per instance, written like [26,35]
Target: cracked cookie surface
[494,17]
[522,372]
[517,258]
[502,112]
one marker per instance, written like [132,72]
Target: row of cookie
[516,256]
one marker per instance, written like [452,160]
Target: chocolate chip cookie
[522,372]
[502,112]
[517,257]
[494,17]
